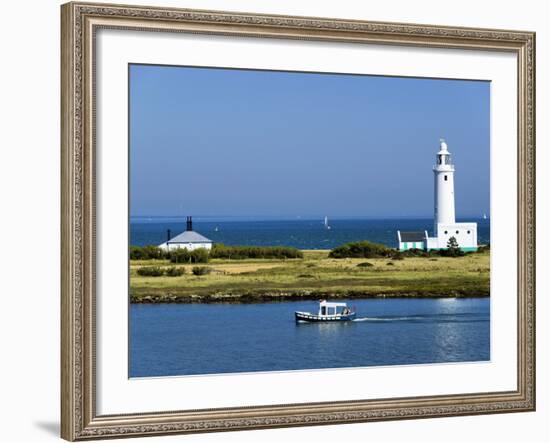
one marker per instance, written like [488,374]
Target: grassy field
[313,277]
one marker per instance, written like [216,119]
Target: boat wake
[451,318]
[361,319]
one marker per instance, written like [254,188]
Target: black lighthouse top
[189,224]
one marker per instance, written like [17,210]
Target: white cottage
[188,239]
[445,225]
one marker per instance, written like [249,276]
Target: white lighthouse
[444,187]
[445,225]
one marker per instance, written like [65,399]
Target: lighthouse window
[457,232]
[445,178]
[468,232]
[446,232]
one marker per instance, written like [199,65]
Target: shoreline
[279,298]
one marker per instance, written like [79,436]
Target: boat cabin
[327,312]
[330,308]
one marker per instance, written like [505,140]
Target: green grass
[315,276]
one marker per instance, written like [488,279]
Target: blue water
[184,339]
[302,234]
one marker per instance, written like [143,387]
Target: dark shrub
[150,271]
[183,255]
[201,270]
[390,263]
[306,276]
[243,252]
[174,271]
[484,248]
[179,256]
[199,255]
[363,249]
[451,253]
[365,264]
[136,253]
[149,252]
[414,253]
[453,250]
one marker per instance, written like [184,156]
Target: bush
[453,250]
[243,252]
[174,271]
[390,263]
[149,252]
[201,270]
[415,252]
[183,255]
[150,271]
[363,249]
[365,264]
[452,253]
[484,248]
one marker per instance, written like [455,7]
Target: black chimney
[168,236]
[189,224]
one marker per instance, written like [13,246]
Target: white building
[445,225]
[412,240]
[188,239]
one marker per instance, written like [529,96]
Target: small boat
[328,312]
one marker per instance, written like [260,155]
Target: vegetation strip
[312,277]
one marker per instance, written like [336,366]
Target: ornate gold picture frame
[80,22]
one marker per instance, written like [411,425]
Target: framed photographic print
[284,221]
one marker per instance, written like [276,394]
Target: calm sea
[185,339]
[302,234]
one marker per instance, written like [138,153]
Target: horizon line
[302,217]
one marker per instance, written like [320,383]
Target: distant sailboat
[326,223]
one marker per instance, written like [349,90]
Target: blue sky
[220,142]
